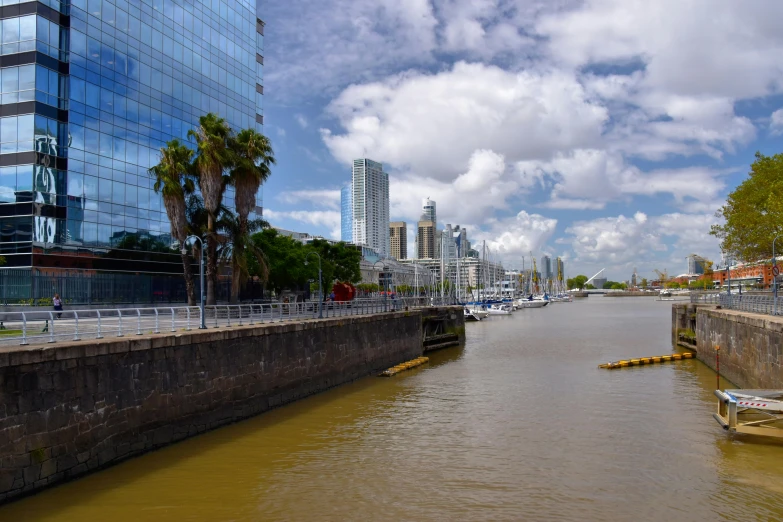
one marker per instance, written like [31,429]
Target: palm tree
[253,155]
[212,160]
[172,182]
[237,245]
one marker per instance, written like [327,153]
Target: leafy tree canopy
[753,213]
[577,282]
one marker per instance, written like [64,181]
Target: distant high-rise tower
[346,214]
[427,233]
[428,211]
[398,239]
[560,270]
[370,205]
[425,241]
[546,268]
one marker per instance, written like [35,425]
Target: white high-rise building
[370,205]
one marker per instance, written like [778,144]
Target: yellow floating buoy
[646,360]
[394,370]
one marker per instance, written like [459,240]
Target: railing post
[157,330]
[138,321]
[239,307]
[228,314]
[51,327]
[76,333]
[99,325]
[119,318]
[24,329]
[187,309]
[173,327]
[216,314]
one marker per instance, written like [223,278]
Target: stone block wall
[751,346]
[66,410]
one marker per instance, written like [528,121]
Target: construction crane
[534,275]
[662,276]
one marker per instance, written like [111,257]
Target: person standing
[58,305]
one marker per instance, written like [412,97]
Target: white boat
[470,316]
[499,309]
[531,303]
[479,311]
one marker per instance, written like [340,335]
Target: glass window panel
[54,80]
[107,100]
[8,129]
[10,30]
[91,139]
[90,187]
[27,27]
[131,195]
[104,235]
[105,145]
[93,95]
[105,187]
[7,184]
[77,89]
[90,234]
[41,78]
[93,49]
[118,192]
[75,184]
[78,43]
[24,178]
[43,30]
[10,79]
[26,77]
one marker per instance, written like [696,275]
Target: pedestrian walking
[58,305]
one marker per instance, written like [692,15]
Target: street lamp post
[774,279]
[320,286]
[384,282]
[201,277]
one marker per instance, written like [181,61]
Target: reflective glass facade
[91,90]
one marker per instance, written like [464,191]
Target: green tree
[753,212]
[285,259]
[577,282]
[644,283]
[252,157]
[672,285]
[237,249]
[213,159]
[617,286]
[339,262]
[172,182]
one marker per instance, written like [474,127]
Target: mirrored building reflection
[90,92]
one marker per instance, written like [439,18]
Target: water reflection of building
[74,161]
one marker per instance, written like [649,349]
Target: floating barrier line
[394,370]
[646,360]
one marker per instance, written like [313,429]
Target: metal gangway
[751,412]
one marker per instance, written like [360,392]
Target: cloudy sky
[604,131]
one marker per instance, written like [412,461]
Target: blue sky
[605,131]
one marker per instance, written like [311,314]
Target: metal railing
[51,326]
[754,303]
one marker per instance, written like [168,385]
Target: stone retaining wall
[66,410]
[751,345]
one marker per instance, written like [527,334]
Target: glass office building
[346,214]
[91,90]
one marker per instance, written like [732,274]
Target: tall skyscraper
[428,212]
[398,239]
[346,213]
[92,92]
[427,236]
[425,241]
[370,205]
[546,268]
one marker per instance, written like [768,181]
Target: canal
[517,425]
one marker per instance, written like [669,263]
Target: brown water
[518,425]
